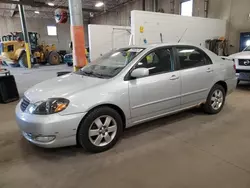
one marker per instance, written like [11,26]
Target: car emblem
[247,62]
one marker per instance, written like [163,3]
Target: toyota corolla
[126,87]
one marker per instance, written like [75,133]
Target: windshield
[247,48]
[110,64]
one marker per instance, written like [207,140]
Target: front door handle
[209,70]
[174,77]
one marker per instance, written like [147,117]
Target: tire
[54,58]
[214,103]
[70,64]
[22,61]
[102,139]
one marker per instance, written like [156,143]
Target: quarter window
[158,61]
[190,57]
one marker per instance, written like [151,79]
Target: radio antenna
[182,35]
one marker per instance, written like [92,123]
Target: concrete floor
[187,150]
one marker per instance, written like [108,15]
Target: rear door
[196,71]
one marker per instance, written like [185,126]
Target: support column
[77,34]
[25,34]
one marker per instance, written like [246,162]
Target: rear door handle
[174,77]
[209,70]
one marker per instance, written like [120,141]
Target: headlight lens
[51,106]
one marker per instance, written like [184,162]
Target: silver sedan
[126,87]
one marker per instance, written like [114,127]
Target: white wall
[104,38]
[173,27]
[39,25]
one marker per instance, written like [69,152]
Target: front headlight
[51,106]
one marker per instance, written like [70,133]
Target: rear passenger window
[190,57]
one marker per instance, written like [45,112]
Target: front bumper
[62,129]
[243,75]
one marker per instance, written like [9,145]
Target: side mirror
[140,72]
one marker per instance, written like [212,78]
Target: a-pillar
[77,34]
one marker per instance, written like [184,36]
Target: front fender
[88,99]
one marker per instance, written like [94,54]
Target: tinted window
[158,61]
[192,57]
[10,48]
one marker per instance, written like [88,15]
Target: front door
[159,92]
[196,71]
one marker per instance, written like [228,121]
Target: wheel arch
[114,107]
[223,84]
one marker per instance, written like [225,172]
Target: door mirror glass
[140,72]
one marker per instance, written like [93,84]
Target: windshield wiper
[100,75]
[94,74]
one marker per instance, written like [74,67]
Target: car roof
[162,44]
[152,46]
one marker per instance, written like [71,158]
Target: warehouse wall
[156,28]
[39,25]
[237,14]
[121,15]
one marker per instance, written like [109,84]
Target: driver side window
[158,61]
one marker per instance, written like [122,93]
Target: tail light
[234,67]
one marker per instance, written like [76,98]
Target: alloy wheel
[102,131]
[217,99]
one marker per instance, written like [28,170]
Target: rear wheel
[100,130]
[54,58]
[215,100]
[22,61]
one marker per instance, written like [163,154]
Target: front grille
[244,62]
[25,103]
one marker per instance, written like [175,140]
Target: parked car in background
[123,88]
[68,59]
[242,64]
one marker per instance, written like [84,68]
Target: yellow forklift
[13,51]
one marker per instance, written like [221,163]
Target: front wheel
[54,58]
[100,130]
[215,100]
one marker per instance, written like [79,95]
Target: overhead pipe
[42,4]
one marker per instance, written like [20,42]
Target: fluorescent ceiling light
[51,4]
[99,4]
[37,12]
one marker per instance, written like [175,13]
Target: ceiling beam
[42,4]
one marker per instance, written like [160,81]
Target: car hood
[63,86]
[241,55]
